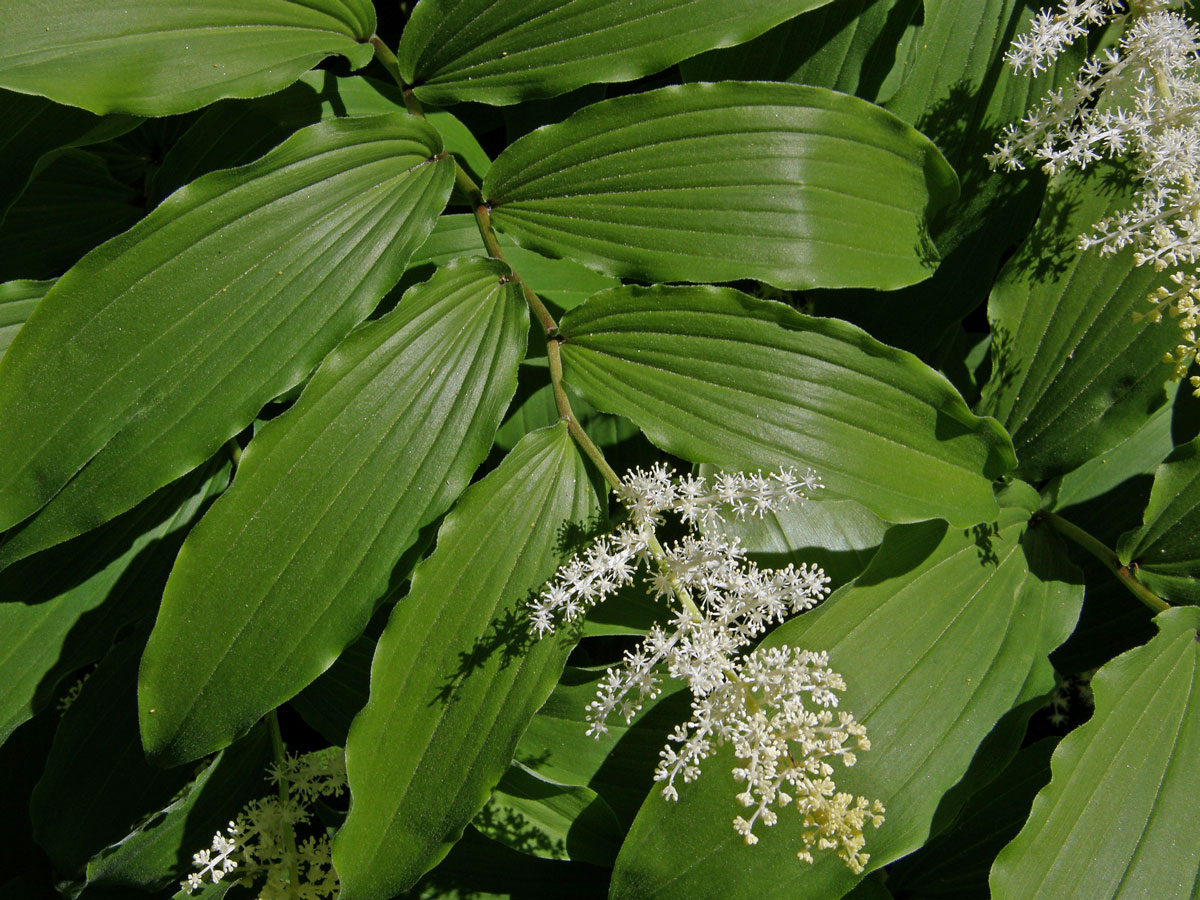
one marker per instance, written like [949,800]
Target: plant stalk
[483,220]
[1111,561]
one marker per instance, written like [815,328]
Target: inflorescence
[775,706]
[260,846]
[1140,101]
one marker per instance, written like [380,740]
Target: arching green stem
[1111,561]
[483,220]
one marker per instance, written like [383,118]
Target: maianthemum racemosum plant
[326,328]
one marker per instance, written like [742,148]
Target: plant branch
[385,56]
[1111,561]
[483,220]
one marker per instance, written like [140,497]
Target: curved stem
[1111,561]
[483,220]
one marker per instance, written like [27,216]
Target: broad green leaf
[72,205]
[958,51]
[715,376]
[97,782]
[555,821]
[840,536]
[18,299]
[1100,489]
[619,767]
[326,500]
[506,51]
[958,91]
[1117,819]
[944,633]
[156,57]
[331,702]
[456,676]
[33,128]
[1072,373]
[172,336]
[1165,551]
[796,186]
[150,857]
[955,864]
[61,609]
[234,132]
[848,46]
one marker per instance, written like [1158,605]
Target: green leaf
[97,782]
[954,865]
[456,677]
[958,91]
[513,50]
[33,128]
[715,376]
[151,856]
[795,186]
[72,205]
[1072,373]
[173,335]
[326,499]
[234,132]
[18,299]
[1117,819]
[959,52]
[63,608]
[1108,495]
[157,57]
[550,820]
[943,633]
[1165,551]
[848,46]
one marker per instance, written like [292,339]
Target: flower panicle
[1137,101]
[777,706]
[260,845]
[612,560]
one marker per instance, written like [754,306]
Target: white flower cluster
[215,863]
[774,706]
[1138,101]
[262,841]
